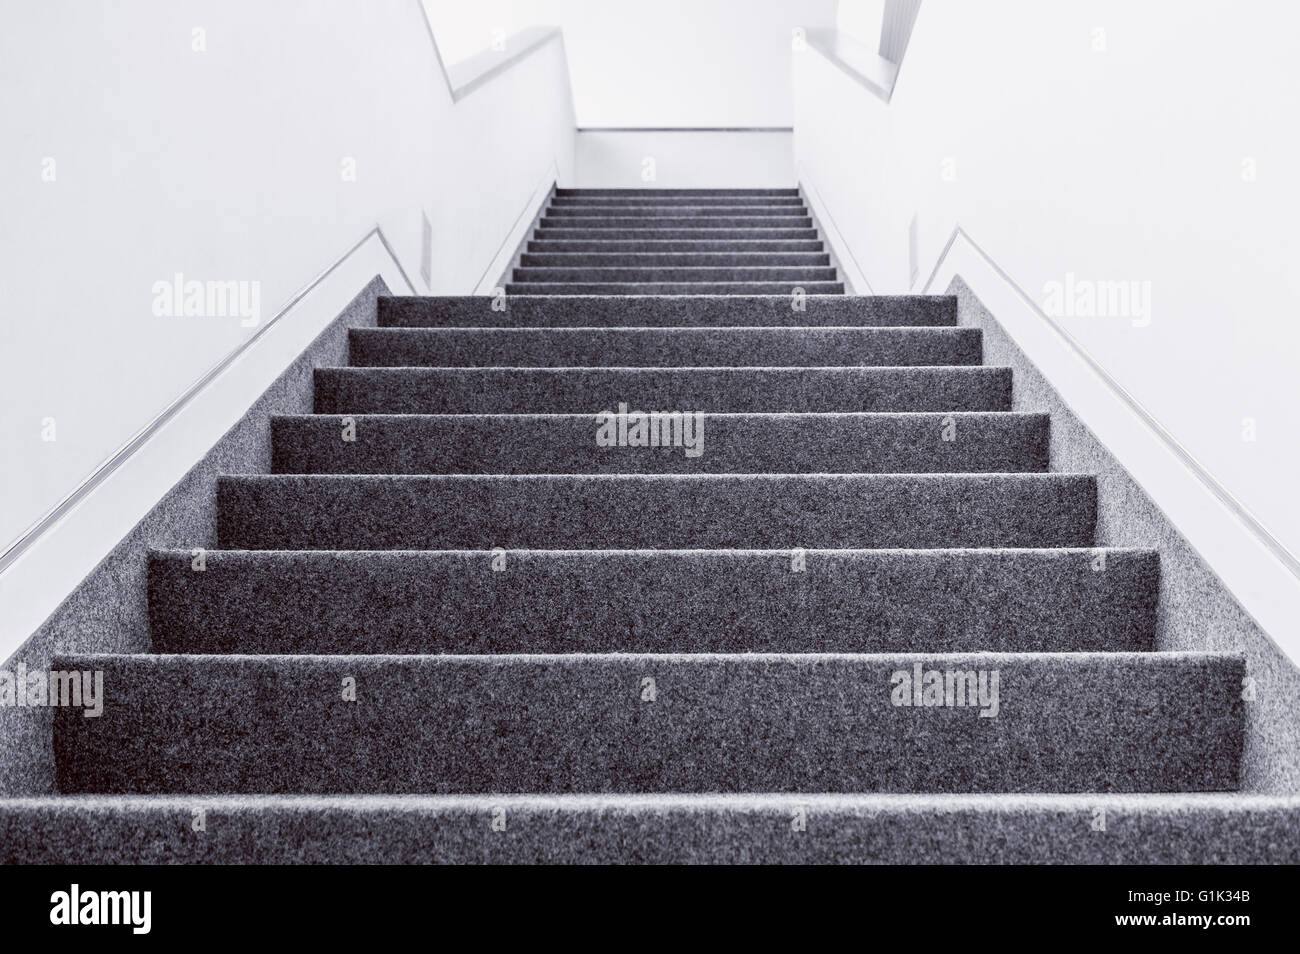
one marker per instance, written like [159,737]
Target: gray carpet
[866,623]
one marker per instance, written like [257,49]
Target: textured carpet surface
[382,512]
[591,390]
[675,347]
[649,310]
[898,443]
[654,829]
[1016,600]
[655,723]
[878,607]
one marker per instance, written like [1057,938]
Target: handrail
[1211,483]
[465,77]
[120,456]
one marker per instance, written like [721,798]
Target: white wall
[1112,141]
[692,63]
[223,164]
[684,160]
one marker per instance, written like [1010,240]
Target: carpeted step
[1142,829]
[674,288]
[671,201]
[592,390]
[667,347]
[606,601]
[641,260]
[734,443]
[664,275]
[663,233]
[1070,722]
[766,310]
[655,212]
[567,223]
[620,511]
[617,246]
[677,193]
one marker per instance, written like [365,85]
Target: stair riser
[615,602]
[667,347]
[661,512]
[795,274]
[615,246]
[589,193]
[591,390]
[478,310]
[668,201]
[564,223]
[531,444]
[1068,723]
[679,260]
[674,288]
[679,211]
[662,232]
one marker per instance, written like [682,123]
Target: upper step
[591,390]
[600,209]
[726,219]
[674,288]
[719,310]
[670,201]
[621,511]
[663,347]
[531,601]
[1004,442]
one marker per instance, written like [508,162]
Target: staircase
[865,623]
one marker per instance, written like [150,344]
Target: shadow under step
[620,511]
[1072,722]
[591,390]
[1002,442]
[701,310]
[666,347]
[653,601]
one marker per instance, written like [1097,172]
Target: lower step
[715,310]
[591,390]
[715,511]
[721,443]
[654,829]
[674,288]
[538,601]
[1142,722]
